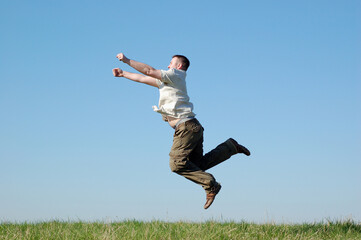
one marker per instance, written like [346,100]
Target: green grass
[178,230]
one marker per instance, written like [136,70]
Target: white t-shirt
[173,96]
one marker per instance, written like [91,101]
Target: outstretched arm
[141,67]
[136,77]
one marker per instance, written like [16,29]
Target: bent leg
[187,138]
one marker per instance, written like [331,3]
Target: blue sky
[281,77]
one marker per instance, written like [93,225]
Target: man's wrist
[127,61]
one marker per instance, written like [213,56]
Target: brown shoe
[212,195]
[240,148]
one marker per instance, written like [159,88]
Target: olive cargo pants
[186,155]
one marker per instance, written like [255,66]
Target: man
[186,155]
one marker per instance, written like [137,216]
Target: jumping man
[186,155]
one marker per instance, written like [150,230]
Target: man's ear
[180,66]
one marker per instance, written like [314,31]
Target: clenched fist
[122,57]
[117,72]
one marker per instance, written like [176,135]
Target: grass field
[178,230]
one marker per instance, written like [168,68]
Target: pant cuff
[231,146]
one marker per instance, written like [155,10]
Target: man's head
[179,62]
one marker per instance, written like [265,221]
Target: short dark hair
[184,60]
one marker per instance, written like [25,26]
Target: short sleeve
[167,76]
[159,83]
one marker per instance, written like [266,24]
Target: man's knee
[173,166]
[177,165]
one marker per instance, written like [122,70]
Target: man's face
[175,63]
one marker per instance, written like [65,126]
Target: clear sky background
[281,77]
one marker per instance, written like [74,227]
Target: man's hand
[122,58]
[117,72]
